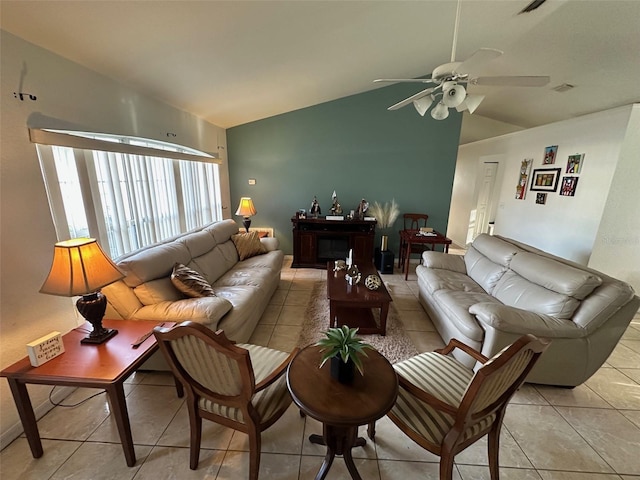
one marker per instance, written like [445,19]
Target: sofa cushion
[456,305]
[554,275]
[153,263]
[495,249]
[517,291]
[436,279]
[159,290]
[482,270]
[190,282]
[248,244]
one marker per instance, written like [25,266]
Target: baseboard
[14,431]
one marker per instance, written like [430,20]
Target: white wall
[564,226]
[67,95]
[617,246]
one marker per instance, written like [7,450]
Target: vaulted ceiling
[233,62]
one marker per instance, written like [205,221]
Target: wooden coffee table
[341,408]
[351,304]
[104,366]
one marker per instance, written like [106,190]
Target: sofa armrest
[443,261]
[516,320]
[270,243]
[205,310]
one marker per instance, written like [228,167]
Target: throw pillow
[248,244]
[190,282]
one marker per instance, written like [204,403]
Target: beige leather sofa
[242,288]
[502,289]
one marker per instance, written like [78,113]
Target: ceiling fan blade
[408,101]
[512,81]
[404,80]
[477,59]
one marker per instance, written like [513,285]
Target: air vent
[563,88]
[532,6]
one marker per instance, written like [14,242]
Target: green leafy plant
[385,213]
[342,342]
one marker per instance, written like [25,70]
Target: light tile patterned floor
[591,432]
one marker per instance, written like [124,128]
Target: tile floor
[591,432]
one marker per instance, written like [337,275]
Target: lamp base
[106,334]
[92,308]
[246,221]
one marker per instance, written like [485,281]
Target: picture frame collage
[550,179]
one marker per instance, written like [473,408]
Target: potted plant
[344,348]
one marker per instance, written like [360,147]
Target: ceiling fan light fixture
[454,96]
[423,104]
[470,103]
[440,111]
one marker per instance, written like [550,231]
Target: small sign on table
[45,348]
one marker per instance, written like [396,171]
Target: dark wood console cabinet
[318,240]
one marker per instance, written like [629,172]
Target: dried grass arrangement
[386,214]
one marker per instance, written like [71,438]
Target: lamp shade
[246,208]
[79,267]
[440,111]
[454,96]
[423,104]
[470,103]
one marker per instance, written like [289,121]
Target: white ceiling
[233,62]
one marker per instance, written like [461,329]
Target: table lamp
[81,268]
[246,209]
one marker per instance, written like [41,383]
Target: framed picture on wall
[541,198]
[550,155]
[574,163]
[569,185]
[545,179]
[523,178]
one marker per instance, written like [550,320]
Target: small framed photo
[550,155]
[545,179]
[574,163]
[541,198]
[568,188]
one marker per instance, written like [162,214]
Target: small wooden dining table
[411,237]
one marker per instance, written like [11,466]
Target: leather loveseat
[241,288]
[502,289]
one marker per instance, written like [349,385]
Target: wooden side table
[409,237]
[104,366]
[342,408]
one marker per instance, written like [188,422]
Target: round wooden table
[342,408]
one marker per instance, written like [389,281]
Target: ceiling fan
[450,80]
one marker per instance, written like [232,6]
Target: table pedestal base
[339,441]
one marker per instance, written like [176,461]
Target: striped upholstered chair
[240,386]
[444,406]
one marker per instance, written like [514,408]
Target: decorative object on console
[363,206]
[521,188]
[315,208]
[336,208]
[574,163]
[550,155]
[340,265]
[81,268]
[372,282]
[342,344]
[247,210]
[545,179]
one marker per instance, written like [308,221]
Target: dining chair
[445,406]
[240,386]
[413,221]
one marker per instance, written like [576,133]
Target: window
[126,192]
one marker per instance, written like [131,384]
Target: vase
[341,371]
[384,243]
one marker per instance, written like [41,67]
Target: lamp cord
[74,404]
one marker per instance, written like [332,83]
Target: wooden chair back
[413,221]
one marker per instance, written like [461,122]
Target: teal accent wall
[352,145]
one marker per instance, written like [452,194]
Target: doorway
[482,215]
